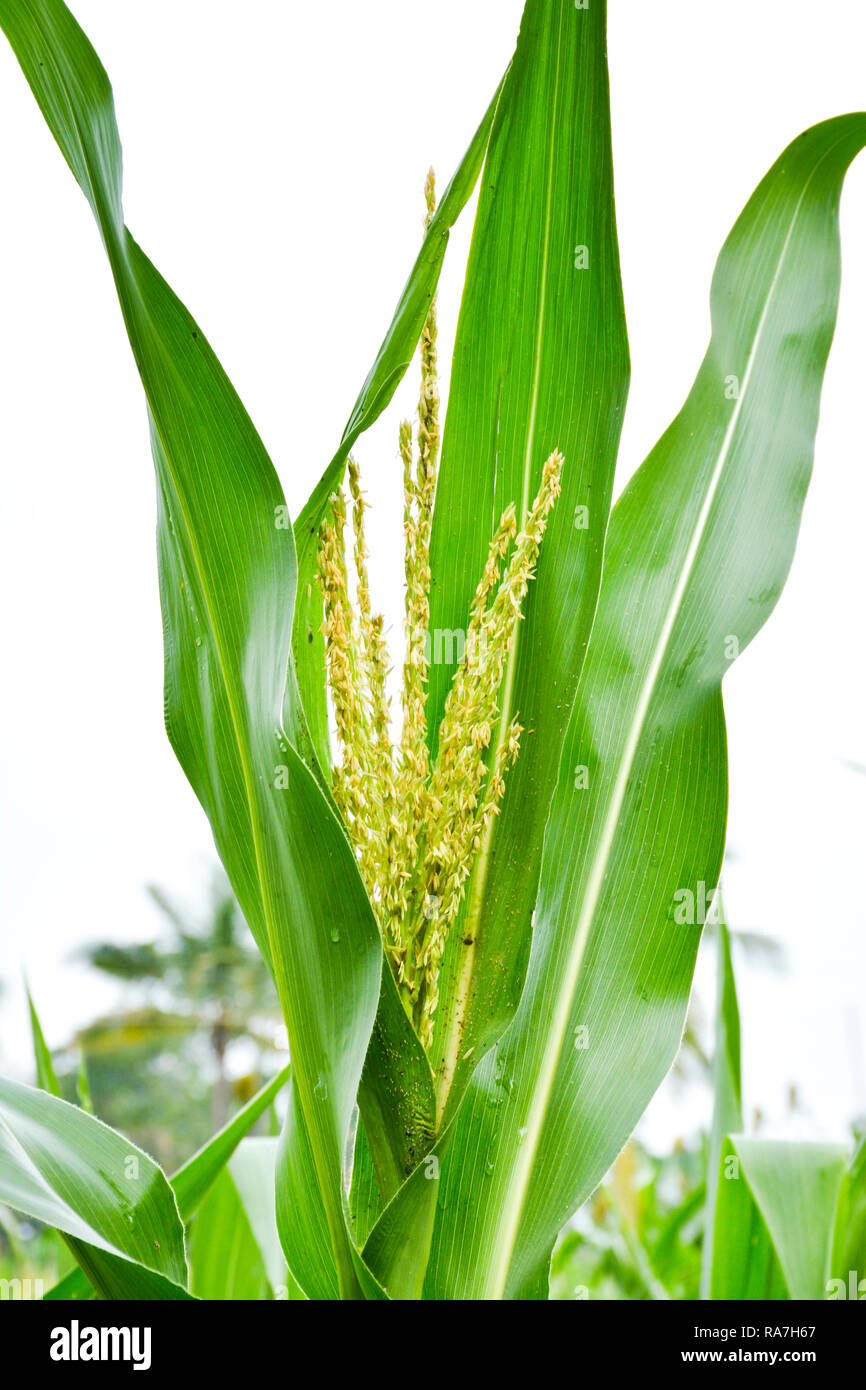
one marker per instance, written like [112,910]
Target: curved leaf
[698,549]
[253,1172]
[849,1237]
[540,363]
[745,1265]
[113,1203]
[795,1189]
[193,1180]
[727,1090]
[224,1258]
[227,579]
[235,1249]
[46,1077]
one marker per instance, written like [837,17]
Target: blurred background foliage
[196,1033]
[640,1235]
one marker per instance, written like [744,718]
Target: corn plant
[473,909]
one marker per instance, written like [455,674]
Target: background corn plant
[565,983]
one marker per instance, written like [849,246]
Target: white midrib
[478,886]
[515,1193]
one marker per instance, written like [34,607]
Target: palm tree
[204,982]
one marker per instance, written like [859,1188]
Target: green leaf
[698,550]
[46,1077]
[727,1089]
[82,1085]
[252,1170]
[397,1248]
[745,1264]
[795,1188]
[235,1249]
[738,1258]
[389,368]
[365,1197]
[396,1098]
[849,1235]
[193,1180]
[73,1286]
[540,363]
[227,578]
[113,1203]
[399,1257]
[225,1261]
[771,1206]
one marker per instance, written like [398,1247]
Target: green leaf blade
[849,1237]
[603,1008]
[727,1091]
[114,1205]
[795,1188]
[46,1077]
[227,578]
[540,363]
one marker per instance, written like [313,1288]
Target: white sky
[274,169]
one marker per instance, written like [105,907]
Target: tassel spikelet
[341,653]
[374,655]
[417,828]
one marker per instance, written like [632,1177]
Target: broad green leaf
[399,1257]
[397,1248]
[392,360]
[697,552]
[61,1166]
[727,1089]
[795,1188]
[227,578]
[540,363]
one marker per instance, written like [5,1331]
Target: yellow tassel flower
[416,828]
